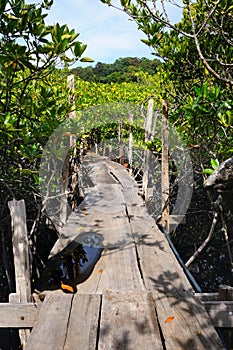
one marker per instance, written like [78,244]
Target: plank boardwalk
[137,296]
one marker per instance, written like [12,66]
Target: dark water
[212,267]
[71,266]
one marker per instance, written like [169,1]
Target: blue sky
[108,33]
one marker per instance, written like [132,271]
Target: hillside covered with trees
[122,70]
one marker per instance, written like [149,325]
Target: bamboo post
[21,258]
[165,167]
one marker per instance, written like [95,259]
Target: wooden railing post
[148,135]
[21,258]
[130,154]
[165,167]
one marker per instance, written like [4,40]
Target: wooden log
[128,321]
[23,315]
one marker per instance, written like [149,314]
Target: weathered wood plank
[18,315]
[142,261]
[103,213]
[174,298]
[50,331]
[190,327]
[83,323]
[117,270]
[128,321]
[21,257]
[220,312]
[207,296]
[20,249]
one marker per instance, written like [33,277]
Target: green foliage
[122,70]
[196,69]
[204,119]
[205,28]
[91,94]
[214,164]
[33,95]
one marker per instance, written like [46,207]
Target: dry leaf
[169,319]
[79,228]
[85,212]
[67,288]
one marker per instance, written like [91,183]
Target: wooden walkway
[137,296]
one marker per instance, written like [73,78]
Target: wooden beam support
[220,312]
[23,315]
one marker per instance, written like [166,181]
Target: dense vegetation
[122,70]
[193,72]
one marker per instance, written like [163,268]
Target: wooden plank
[23,315]
[103,213]
[97,170]
[51,328]
[128,321]
[117,270]
[190,327]
[83,323]
[220,312]
[207,296]
[21,257]
[20,249]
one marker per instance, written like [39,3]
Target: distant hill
[122,70]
